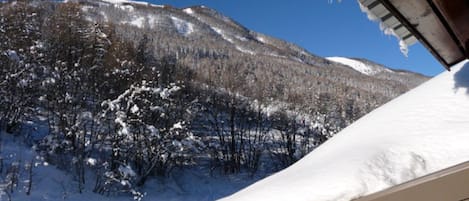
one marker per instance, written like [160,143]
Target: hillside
[418,133]
[117,95]
[263,68]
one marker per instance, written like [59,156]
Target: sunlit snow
[244,50]
[91,161]
[241,38]
[356,65]
[260,39]
[138,22]
[153,21]
[222,34]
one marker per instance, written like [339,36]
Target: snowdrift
[422,131]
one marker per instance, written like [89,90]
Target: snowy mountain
[201,37]
[420,132]
[200,22]
[195,23]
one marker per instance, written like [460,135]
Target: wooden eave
[442,26]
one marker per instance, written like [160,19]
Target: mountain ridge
[204,39]
[246,34]
[278,47]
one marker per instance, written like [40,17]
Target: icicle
[386,30]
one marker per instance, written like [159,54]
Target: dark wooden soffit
[442,26]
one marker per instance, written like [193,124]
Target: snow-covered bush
[150,135]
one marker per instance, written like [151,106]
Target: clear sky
[323,28]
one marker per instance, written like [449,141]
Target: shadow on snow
[461,78]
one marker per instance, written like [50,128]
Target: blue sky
[323,28]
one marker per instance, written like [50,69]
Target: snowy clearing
[420,132]
[354,64]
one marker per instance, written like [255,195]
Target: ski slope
[360,66]
[422,131]
[354,64]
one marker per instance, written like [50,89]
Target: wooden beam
[446,25]
[467,49]
[388,5]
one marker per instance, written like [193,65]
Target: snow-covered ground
[52,184]
[420,132]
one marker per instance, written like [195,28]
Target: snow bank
[422,131]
